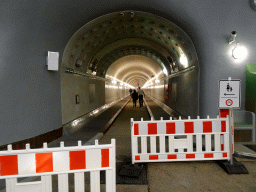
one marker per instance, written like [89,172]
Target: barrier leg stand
[232,166]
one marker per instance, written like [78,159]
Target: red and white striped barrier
[223,113]
[48,161]
[180,140]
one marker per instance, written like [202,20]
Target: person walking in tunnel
[134,98]
[141,93]
[130,90]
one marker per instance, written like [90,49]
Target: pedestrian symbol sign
[229,93]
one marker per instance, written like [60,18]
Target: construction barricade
[180,140]
[46,162]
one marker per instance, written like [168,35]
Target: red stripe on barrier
[222,147]
[224,113]
[136,129]
[223,126]
[137,158]
[153,157]
[171,156]
[104,157]
[44,162]
[190,156]
[77,159]
[208,155]
[170,128]
[224,154]
[152,128]
[9,165]
[207,126]
[189,127]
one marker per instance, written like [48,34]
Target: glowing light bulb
[239,52]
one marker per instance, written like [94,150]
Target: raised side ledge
[166,108]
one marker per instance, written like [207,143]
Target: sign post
[229,99]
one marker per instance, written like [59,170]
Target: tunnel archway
[137,48]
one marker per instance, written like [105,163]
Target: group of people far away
[137,95]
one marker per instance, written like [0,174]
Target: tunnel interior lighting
[165,71]
[239,52]
[115,80]
[184,60]
[94,73]
[154,79]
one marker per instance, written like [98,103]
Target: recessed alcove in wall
[134,47]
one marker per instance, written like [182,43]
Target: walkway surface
[175,176]
[162,177]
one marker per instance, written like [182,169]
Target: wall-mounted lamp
[52,61]
[232,37]
[184,60]
[239,52]
[165,71]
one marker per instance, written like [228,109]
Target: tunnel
[128,49]
[105,49]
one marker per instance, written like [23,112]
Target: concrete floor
[171,176]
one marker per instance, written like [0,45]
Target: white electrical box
[53,61]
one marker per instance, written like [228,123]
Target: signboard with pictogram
[229,93]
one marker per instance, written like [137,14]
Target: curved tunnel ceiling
[134,66]
[131,46]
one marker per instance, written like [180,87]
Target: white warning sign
[229,93]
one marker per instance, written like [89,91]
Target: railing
[46,162]
[245,120]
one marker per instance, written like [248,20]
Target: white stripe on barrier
[199,127]
[93,158]
[61,161]
[27,163]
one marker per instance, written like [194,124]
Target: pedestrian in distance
[130,90]
[134,98]
[141,93]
